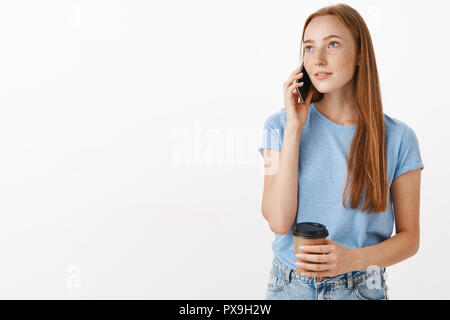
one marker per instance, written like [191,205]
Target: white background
[129,134]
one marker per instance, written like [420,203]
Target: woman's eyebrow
[328,37]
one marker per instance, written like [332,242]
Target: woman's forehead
[324,26]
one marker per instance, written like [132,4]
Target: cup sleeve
[271,137]
[409,154]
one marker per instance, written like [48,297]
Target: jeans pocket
[363,291]
[276,282]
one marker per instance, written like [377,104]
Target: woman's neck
[339,112]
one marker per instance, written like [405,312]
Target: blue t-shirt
[322,176]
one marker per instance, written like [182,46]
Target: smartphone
[303,90]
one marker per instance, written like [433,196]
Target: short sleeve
[271,136]
[409,153]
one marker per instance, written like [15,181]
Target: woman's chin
[324,89]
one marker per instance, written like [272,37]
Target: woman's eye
[309,47]
[333,42]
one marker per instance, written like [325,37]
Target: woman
[337,159]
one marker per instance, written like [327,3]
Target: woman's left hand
[328,260]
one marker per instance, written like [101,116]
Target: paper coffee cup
[308,233]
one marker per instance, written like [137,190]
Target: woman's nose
[320,56]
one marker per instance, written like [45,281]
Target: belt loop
[287,275]
[349,280]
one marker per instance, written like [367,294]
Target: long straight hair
[366,161]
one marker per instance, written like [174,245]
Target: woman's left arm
[337,259]
[405,193]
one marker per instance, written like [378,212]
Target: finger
[304,257]
[296,70]
[294,75]
[310,274]
[314,266]
[297,76]
[317,248]
[299,270]
[293,78]
[293,87]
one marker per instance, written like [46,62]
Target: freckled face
[334,55]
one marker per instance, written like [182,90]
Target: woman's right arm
[280,195]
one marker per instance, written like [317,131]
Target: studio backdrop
[129,135]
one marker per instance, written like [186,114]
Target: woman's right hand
[296,112]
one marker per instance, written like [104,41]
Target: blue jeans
[286,284]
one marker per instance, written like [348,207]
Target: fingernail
[298,263]
[303,274]
[302,248]
[298,255]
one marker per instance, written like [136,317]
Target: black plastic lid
[310,230]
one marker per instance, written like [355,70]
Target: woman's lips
[323,76]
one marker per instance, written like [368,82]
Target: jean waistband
[348,279]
